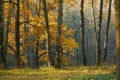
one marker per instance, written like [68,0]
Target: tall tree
[38,34]
[59,31]
[6,31]
[17,34]
[98,54]
[107,32]
[94,19]
[83,32]
[117,22]
[26,30]
[2,54]
[47,31]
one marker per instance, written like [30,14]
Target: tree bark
[107,32]
[59,31]
[38,34]
[47,32]
[27,34]
[94,19]
[98,54]
[83,32]
[117,22]
[6,31]
[17,34]
[37,50]
[2,54]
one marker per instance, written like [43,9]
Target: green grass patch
[66,73]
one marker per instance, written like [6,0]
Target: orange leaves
[11,41]
[71,2]
[33,28]
[41,52]
[51,7]
[12,24]
[53,29]
[52,16]
[65,60]
[23,58]
[67,32]
[69,44]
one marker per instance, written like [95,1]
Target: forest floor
[66,73]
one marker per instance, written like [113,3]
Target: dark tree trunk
[59,31]
[107,32]
[94,19]
[117,22]
[27,34]
[37,49]
[17,34]
[98,54]
[47,32]
[6,30]
[83,32]
[38,34]
[2,54]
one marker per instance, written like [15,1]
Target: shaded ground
[74,73]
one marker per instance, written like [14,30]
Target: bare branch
[11,48]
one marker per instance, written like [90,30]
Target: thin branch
[11,48]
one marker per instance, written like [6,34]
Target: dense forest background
[36,33]
[60,39]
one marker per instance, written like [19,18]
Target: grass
[71,73]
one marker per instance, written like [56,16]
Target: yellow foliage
[69,44]
[37,28]
[65,60]
[42,52]
[23,58]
